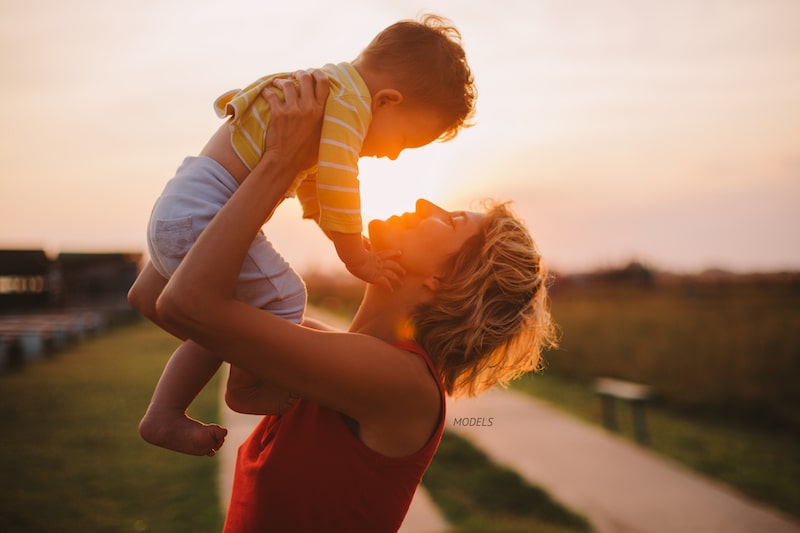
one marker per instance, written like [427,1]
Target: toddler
[409,87]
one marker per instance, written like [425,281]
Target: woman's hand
[296,119]
[216,258]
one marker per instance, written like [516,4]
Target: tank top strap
[413,347]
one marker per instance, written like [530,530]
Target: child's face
[395,127]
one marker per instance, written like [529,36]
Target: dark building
[25,280]
[99,278]
[30,281]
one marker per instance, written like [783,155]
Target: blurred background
[622,129]
[652,147]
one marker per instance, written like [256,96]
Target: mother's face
[425,237]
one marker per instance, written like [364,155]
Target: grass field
[478,496]
[728,349]
[72,460]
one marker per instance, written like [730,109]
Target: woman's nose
[425,208]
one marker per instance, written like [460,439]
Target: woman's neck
[382,315]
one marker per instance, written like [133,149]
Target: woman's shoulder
[416,349]
[410,416]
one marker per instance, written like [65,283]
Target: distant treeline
[639,274]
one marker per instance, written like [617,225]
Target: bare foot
[245,394]
[177,432]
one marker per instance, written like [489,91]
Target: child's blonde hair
[429,66]
[489,319]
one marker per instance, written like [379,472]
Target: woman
[469,312]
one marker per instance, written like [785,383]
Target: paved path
[619,486]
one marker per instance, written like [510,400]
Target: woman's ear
[386,97]
[431,283]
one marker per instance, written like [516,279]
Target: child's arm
[377,268]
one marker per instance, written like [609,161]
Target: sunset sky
[664,132]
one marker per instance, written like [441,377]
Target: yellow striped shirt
[330,190]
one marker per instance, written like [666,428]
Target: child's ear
[386,97]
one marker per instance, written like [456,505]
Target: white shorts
[199,189]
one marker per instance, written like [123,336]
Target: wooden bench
[637,395]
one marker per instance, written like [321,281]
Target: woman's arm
[209,272]
[356,374]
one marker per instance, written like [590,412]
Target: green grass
[479,496]
[757,460]
[71,458]
[726,349]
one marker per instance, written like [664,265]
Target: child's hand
[378,268]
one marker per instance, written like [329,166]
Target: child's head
[427,64]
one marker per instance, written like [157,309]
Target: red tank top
[305,471]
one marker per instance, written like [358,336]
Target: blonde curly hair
[489,319]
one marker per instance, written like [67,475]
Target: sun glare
[392,187]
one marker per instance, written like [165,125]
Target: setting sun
[391,187]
